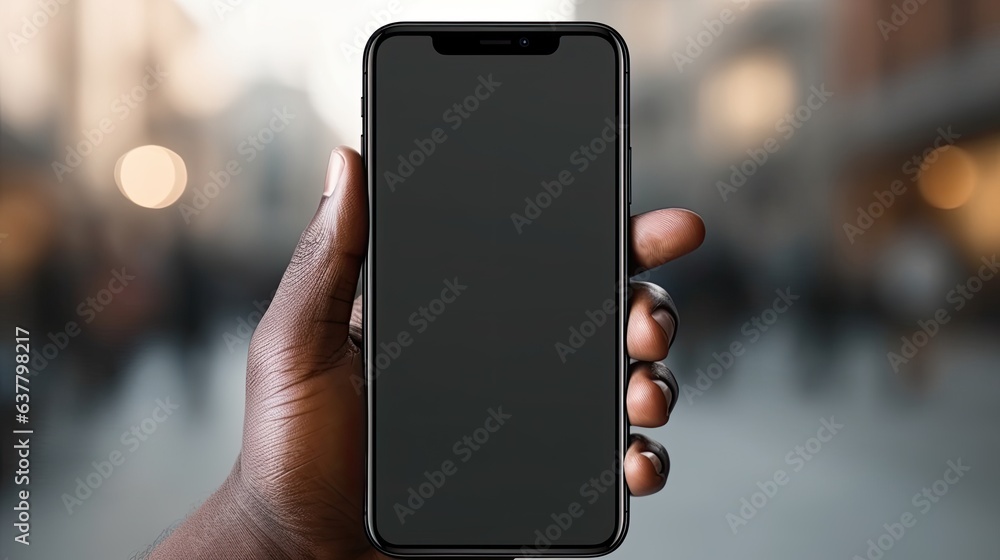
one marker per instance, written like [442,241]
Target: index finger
[661,236]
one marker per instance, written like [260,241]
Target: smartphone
[495,287]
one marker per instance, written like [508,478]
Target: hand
[297,489]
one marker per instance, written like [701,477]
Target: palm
[304,446]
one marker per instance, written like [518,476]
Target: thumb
[309,317]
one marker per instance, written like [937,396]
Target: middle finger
[652,322]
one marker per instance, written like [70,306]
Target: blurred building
[846,150]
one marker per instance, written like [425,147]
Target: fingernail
[333,172]
[666,322]
[655,460]
[666,393]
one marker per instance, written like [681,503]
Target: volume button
[629,175]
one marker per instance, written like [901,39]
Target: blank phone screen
[496,361]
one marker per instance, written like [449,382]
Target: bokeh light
[151,176]
[979,219]
[948,177]
[739,105]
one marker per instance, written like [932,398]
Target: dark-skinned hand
[297,489]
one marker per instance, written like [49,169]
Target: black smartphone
[495,286]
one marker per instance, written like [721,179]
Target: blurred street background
[159,159]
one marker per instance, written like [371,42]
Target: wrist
[258,530]
[232,523]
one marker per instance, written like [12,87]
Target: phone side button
[629,175]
